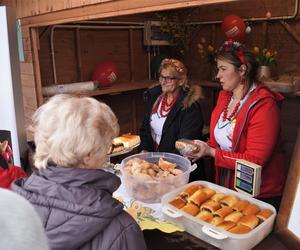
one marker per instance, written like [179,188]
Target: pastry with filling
[240,229]
[226,225]
[189,191]
[264,214]
[234,216]
[205,216]
[127,140]
[251,209]
[191,209]
[178,202]
[217,197]
[210,206]
[198,197]
[229,201]
[249,221]
[240,205]
[223,212]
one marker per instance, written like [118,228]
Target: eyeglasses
[168,79]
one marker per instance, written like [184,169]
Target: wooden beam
[36,64]
[111,9]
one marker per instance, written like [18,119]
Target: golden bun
[229,201]
[222,212]
[249,221]
[205,216]
[226,225]
[178,202]
[251,209]
[234,216]
[240,229]
[210,206]
[190,209]
[240,205]
[264,214]
[198,197]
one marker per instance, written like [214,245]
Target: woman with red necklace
[173,110]
[245,124]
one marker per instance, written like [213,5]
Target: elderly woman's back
[70,193]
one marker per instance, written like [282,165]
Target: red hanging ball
[105,73]
[234,28]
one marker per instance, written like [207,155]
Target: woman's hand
[203,149]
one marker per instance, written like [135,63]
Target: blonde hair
[68,128]
[177,68]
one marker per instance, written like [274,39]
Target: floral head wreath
[179,67]
[235,48]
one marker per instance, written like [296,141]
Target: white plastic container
[211,234]
[150,190]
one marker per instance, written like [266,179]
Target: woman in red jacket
[245,124]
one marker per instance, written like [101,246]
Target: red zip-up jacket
[255,138]
[8,176]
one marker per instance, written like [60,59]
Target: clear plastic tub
[211,234]
[150,190]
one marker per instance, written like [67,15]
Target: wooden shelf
[120,87]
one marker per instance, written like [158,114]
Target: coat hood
[74,204]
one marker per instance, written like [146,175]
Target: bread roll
[216,221]
[178,202]
[198,197]
[185,146]
[240,205]
[251,209]
[205,216]
[222,212]
[229,201]
[189,191]
[234,216]
[210,206]
[249,221]
[191,209]
[209,192]
[217,197]
[226,225]
[264,214]
[166,165]
[127,140]
[240,229]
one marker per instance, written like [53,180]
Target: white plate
[125,151]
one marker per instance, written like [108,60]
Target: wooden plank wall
[27,8]
[96,46]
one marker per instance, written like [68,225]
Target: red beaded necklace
[234,111]
[164,107]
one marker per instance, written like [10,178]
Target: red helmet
[105,73]
[234,28]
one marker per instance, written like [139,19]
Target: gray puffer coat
[78,211]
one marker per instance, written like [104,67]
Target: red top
[8,176]
[255,138]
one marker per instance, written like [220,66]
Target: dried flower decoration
[235,48]
[179,67]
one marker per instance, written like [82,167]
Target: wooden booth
[63,41]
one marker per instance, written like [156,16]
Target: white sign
[11,99]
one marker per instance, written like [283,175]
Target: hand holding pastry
[203,149]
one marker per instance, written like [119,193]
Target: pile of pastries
[228,212]
[148,182]
[142,168]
